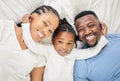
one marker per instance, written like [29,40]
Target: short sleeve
[41,61]
[80,70]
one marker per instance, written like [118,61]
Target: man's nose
[87,31]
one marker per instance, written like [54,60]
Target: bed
[107,10]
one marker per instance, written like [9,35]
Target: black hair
[43,9]
[64,26]
[83,13]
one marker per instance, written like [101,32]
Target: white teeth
[40,34]
[90,37]
[63,51]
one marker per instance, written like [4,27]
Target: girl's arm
[92,51]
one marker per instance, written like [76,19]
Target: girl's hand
[26,18]
[104,28]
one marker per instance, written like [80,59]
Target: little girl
[60,56]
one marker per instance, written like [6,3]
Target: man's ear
[104,28]
[100,25]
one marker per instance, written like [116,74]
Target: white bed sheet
[107,10]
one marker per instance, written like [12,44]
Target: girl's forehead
[47,13]
[65,33]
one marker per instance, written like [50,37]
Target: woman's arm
[37,74]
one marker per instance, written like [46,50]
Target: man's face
[88,28]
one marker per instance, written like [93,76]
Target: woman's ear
[34,15]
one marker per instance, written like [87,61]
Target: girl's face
[42,26]
[64,42]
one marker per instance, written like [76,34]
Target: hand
[104,28]
[26,18]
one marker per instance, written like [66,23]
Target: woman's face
[64,42]
[42,26]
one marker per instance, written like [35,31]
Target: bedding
[107,10]
[15,9]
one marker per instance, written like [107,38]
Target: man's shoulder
[113,36]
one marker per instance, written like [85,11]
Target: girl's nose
[64,46]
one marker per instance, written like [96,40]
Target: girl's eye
[60,41]
[70,43]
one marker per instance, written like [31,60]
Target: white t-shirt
[60,68]
[15,64]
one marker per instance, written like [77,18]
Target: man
[106,65]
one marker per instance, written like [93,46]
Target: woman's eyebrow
[49,22]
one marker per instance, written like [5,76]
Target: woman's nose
[45,31]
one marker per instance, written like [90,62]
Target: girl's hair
[43,9]
[64,26]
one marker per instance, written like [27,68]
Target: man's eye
[92,25]
[80,29]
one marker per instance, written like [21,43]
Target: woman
[16,59]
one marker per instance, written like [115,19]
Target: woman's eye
[45,23]
[50,31]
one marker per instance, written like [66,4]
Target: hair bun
[63,21]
